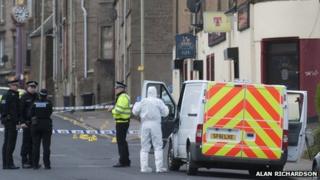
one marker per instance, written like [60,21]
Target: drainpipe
[124,41]
[85,42]
[142,42]
[41,83]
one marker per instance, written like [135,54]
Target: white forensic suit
[150,110]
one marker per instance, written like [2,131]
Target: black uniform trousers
[121,133]
[41,134]
[9,144]
[26,148]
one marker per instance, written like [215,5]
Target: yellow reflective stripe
[236,120]
[225,109]
[123,107]
[266,138]
[226,148]
[270,99]
[256,149]
[122,111]
[264,114]
[217,97]
[242,154]
[122,121]
[206,147]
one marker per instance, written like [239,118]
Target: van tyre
[191,167]
[173,164]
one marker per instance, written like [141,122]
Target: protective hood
[152,92]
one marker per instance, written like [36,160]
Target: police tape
[74,108]
[89,132]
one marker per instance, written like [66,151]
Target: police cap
[13,81]
[32,83]
[120,85]
[43,92]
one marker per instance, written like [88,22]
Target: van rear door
[222,135]
[297,122]
[243,121]
[263,121]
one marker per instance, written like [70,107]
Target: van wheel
[191,167]
[173,164]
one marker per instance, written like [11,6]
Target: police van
[233,125]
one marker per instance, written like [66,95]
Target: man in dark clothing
[10,114]
[41,129]
[26,103]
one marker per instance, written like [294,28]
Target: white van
[233,125]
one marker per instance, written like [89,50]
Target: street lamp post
[141,68]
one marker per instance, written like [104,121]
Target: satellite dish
[194,5]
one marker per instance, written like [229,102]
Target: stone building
[78,55]
[158,41]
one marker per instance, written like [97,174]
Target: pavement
[75,158]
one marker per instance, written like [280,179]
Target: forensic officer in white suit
[150,110]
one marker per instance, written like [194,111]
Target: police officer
[10,114]
[26,102]
[121,113]
[41,129]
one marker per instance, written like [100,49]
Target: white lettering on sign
[311,73]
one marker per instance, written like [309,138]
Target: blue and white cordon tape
[93,107]
[89,132]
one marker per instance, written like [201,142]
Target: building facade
[158,41]
[273,42]
[187,22]
[78,53]
[8,40]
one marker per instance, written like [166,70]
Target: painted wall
[273,19]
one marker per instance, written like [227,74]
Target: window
[1,50]
[106,47]
[29,5]
[165,96]
[191,102]
[282,63]
[210,67]
[2,11]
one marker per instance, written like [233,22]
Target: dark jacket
[26,103]
[40,113]
[10,111]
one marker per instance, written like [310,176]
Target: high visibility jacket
[121,111]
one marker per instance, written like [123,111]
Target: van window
[165,96]
[294,114]
[191,102]
[294,107]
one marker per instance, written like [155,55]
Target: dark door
[282,63]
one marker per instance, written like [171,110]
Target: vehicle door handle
[192,115]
